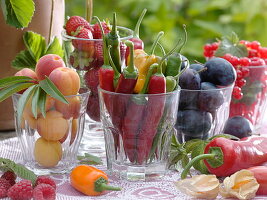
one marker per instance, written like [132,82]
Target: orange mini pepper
[90,180]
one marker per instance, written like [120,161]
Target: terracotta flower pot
[12,43]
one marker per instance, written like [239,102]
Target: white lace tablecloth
[159,189]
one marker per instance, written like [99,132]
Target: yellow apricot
[69,110]
[31,121]
[53,126]
[47,153]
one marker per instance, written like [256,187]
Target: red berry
[10,176]
[93,107]
[252,53]
[237,94]
[4,186]
[207,47]
[227,57]
[44,192]
[214,46]
[263,52]
[74,22]
[97,30]
[255,45]
[91,78]
[99,50]
[256,61]
[244,61]
[241,82]
[21,190]
[234,61]
[84,45]
[245,71]
[244,42]
[208,54]
[46,180]
[239,74]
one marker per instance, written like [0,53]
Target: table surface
[157,189]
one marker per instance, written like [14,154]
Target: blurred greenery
[206,20]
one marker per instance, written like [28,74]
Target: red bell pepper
[224,157]
[260,173]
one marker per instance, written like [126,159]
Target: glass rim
[84,92]
[260,66]
[123,94]
[221,88]
[66,36]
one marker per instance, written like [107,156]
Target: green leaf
[7,92]
[24,59]
[49,87]
[55,48]
[35,44]
[23,100]
[191,144]
[185,161]
[231,46]
[18,169]
[42,101]
[35,98]
[4,82]
[89,159]
[200,165]
[18,13]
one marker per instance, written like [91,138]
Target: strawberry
[84,45]
[99,50]
[91,78]
[74,22]
[97,30]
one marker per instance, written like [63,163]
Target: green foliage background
[205,19]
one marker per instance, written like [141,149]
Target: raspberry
[10,176]
[74,22]
[21,190]
[44,192]
[97,30]
[46,180]
[4,186]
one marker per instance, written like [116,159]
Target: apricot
[47,64]
[31,121]
[69,110]
[49,104]
[53,126]
[74,131]
[27,72]
[66,80]
[47,153]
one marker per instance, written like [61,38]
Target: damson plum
[184,138]
[188,99]
[238,126]
[210,97]
[219,72]
[190,80]
[193,123]
[196,67]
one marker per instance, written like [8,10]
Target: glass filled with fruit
[49,115]
[205,99]
[249,98]
[84,52]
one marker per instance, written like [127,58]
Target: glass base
[138,173]
[93,141]
[61,168]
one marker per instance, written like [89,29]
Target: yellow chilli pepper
[142,61]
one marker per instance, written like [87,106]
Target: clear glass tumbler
[50,144]
[138,129]
[253,104]
[202,113]
[86,56]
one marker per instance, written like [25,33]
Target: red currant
[245,71]
[237,94]
[214,46]
[244,42]
[244,61]
[240,83]
[207,47]
[239,74]
[252,53]
[227,57]
[256,61]
[255,45]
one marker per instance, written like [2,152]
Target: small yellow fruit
[47,153]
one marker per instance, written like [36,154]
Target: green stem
[149,74]
[162,49]
[101,185]
[105,187]
[114,30]
[105,46]
[137,26]
[116,72]
[51,21]
[185,38]
[160,34]
[89,10]
[194,160]
[185,68]
[130,67]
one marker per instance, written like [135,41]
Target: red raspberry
[74,22]
[44,192]
[97,30]
[84,45]
[46,180]
[4,186]
[21,190]
[10,176]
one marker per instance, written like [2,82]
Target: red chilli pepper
[138,43]
[224,157]
[133,120]
[260,173]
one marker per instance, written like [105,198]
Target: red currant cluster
[257,56]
